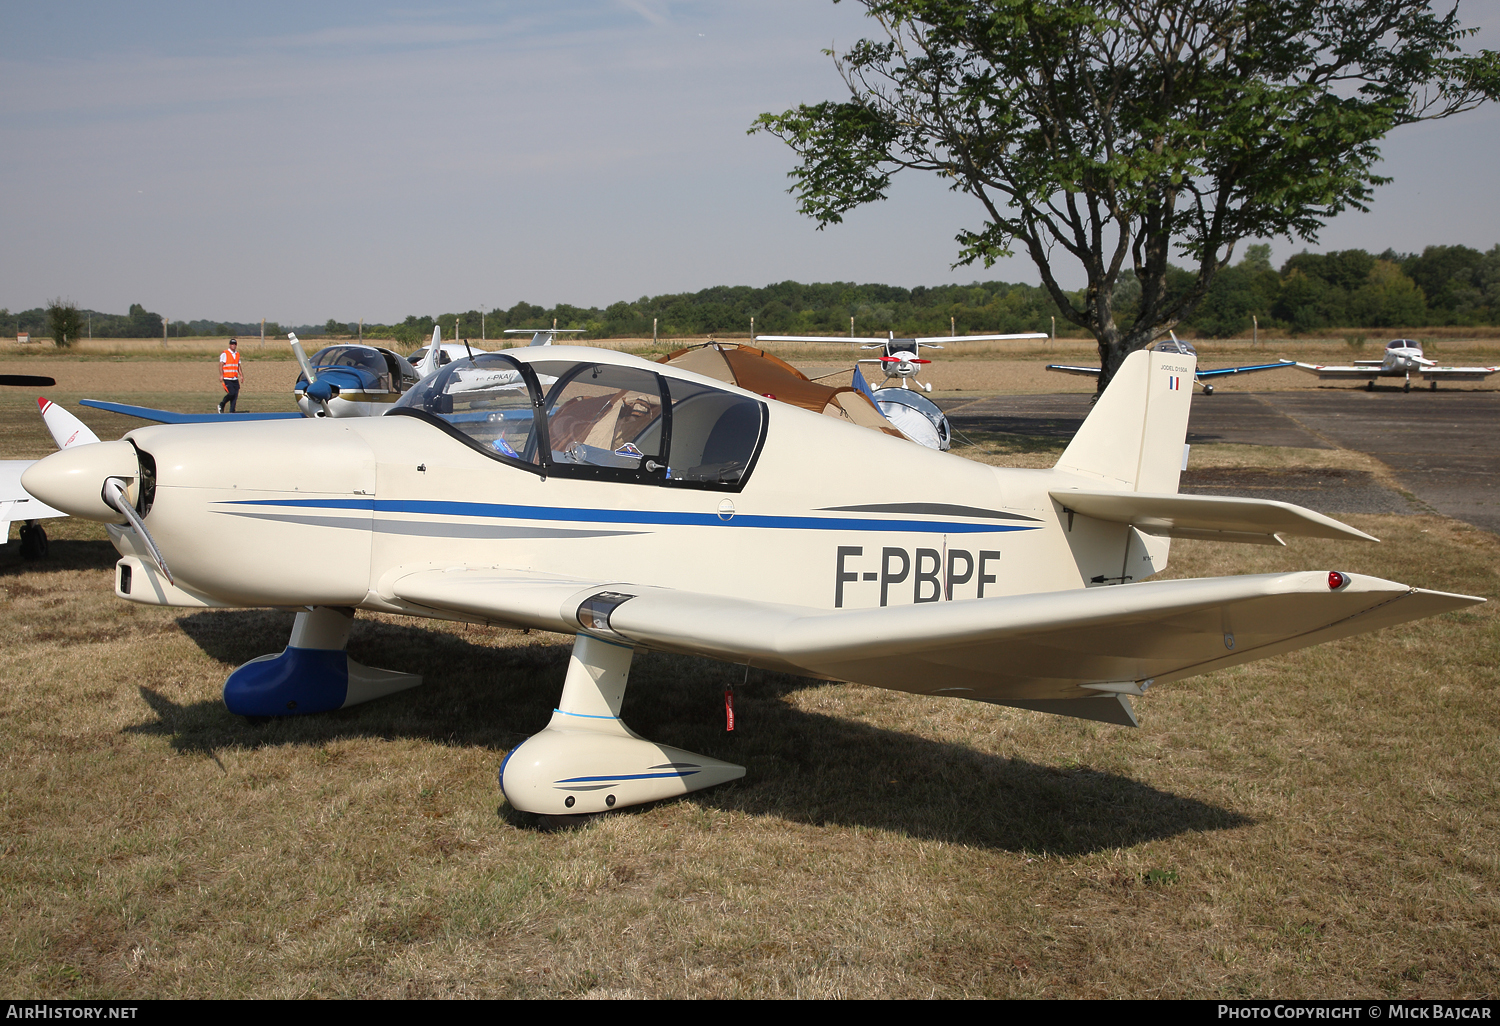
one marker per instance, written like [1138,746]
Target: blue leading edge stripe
[606,516]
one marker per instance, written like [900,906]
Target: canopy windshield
[595,420]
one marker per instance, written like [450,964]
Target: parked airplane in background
[1202,378]
[758,371]
[451,351]
[902,358]
[543,336]
[1403,358]
[18,504]
[447,353]
[351,380]
[640,506]
[343,380]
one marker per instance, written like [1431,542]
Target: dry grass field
[1316,825]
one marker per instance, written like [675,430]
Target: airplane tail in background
[434,358]
[1133,439]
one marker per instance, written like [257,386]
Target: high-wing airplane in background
[758,371]
[1403,358]
[1204,379]
[901,358]
[640,506]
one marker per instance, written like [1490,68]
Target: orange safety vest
[229,365]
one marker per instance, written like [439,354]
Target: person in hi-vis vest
[230,376]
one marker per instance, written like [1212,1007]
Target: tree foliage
[64,322]
[1112,132]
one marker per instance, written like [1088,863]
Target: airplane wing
[1092,372]
[1456,373]
[168,417]
[818,339]
[1077,652]
[1219,372]
[1331,373]
[882,341]
[925,340]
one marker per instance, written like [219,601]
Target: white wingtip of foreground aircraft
[640,506]
[15,502]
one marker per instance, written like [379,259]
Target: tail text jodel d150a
[640,506]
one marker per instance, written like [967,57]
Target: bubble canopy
[594,419]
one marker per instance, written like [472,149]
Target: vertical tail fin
[434,356]
[1132,440]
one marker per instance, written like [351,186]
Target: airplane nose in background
[73,480]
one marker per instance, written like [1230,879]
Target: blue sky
[299,162]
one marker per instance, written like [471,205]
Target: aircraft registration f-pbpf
[640,506]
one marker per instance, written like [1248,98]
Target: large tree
[1112,133]
[64,321]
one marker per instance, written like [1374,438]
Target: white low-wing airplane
[901,359]
[15,502]
[1403,358]
[640,506]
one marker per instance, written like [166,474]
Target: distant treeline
[138,323]
[1443,285]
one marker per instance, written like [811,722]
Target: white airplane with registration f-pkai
[1403,358]
[641,507]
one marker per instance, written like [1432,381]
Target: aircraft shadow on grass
[803,766]
[62,554]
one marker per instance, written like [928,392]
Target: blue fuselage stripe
[625,776]
[616,516]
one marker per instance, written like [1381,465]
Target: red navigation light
[1336,580]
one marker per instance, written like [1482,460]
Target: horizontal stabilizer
[1213,517]
[168,417]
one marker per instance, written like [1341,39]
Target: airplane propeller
[319,393]
[27,380]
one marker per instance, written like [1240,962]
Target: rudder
[1133,438]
